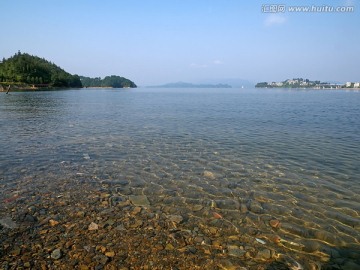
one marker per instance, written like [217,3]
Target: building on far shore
[305,83]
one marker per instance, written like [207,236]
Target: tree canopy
[109,81]
[28,69]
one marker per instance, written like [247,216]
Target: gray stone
[255,207]
[175,218]
[115,182]
[139,200]
[191,249]
[56,254]
[120,227]
[102,259]
[264,254]
[30,218]
[235,251]
[349,265]
[123,190]
[117,200]
[8,223]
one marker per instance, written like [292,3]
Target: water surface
[251,154]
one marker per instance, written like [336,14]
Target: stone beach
[85,224]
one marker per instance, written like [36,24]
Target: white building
[277,84]
[357,85]
[348,84]
[292,81]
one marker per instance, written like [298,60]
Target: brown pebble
[93,226]
[274,223]
[110,254]
[217,215]
[136,210]
[53,222]
[274,238]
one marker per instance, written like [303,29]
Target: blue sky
[157,41]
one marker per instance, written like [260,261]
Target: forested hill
[109,81]
[23,68]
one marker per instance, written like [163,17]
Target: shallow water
[252,155]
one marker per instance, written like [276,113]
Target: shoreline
[26,88]
[39,89]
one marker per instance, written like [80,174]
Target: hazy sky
[160,41]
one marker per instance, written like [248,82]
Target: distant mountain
[109,81]
[234,82]
[25,70]
[191,85]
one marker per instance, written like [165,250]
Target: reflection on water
[257,156]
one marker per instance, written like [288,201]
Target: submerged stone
[209,175]
[175,218]
[8,223]
[93,226]
[264,254]
[115,182]
[235,251]
[274,223]
[139,200]
[255,207]
[56,254]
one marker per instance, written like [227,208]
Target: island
[306,83]
[191,85]
[23,71]
[112,81]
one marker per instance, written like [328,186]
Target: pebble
[115,182]
[274,223]
[16,252]
[56,254]
[175,218]
[227,265]
[8,223]
[197,207]
[169,247]
[209,175]
[260,241]
[102,259]
[53,222]
[139,200]
[349,265]
[136,210]
[120,227]
[264,254]
[110,254]
[255,207]
[243,208]
[235,251]
[93,226]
